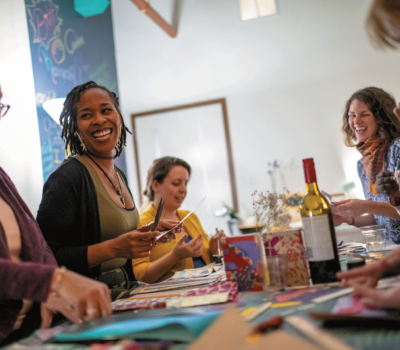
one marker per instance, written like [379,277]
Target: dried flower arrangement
[270,211]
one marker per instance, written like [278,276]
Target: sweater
[69,217]
[193,228]
[29,279]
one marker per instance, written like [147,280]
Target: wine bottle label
[317,234]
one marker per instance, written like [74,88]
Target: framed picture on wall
[199,134]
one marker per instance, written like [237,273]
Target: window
[250,9]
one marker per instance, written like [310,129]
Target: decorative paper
[245,262]
[193,273]
[217,288]
[290,243]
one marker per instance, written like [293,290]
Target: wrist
[111,249]
[174,257]
[57,280]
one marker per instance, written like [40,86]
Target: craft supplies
[319,336]
[180,223]
[291,303]
[253,312]
[272,324]
[245,262]
[289,243]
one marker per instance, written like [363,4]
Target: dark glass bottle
[319,230]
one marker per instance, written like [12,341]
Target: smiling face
[362,121]
[173,189]
[98,121]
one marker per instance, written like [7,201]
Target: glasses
[3,110]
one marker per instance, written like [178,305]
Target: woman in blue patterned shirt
[370,125]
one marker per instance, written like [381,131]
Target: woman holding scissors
[87,214]
[167,178]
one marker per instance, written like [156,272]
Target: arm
[353,208]
[58,220]
[25,280]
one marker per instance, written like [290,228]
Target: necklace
[99,156]
[117,189]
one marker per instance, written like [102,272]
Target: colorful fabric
[393,161]
[373,153]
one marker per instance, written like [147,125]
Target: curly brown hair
[381,105]
[382,16]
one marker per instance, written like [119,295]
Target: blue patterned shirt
[393,161]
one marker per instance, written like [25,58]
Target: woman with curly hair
[370,125]
[87,214]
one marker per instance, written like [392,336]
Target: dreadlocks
[69,124]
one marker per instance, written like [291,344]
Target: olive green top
[114,220]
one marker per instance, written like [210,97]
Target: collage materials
[165,232]
[174,328]
[245,262]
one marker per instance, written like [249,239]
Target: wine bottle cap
[309,170]
[308,162]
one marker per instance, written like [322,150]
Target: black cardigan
[68,216]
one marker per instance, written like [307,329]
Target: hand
[78,298]
[134,244]
[338,220]
[46,315]
[349,208]
[378,299]
[367,275]
[193,249]
[387,184]
[214,242]
[165,225]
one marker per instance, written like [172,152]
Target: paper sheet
[165,232]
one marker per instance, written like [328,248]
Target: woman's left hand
[214,242]
[350,208]
[165,225]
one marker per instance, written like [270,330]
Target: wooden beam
[145,7]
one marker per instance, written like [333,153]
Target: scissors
[153,226]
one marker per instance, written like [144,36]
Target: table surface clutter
[199,307]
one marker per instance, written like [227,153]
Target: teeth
[102,133]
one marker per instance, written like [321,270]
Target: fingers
[375,298]
[182,239]
[144,236]
[47,316]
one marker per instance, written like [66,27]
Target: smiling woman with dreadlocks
[87,214]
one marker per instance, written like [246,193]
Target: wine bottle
[318,228]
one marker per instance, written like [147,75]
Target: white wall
[19,132]
[286,79]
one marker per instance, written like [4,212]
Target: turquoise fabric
[177,328]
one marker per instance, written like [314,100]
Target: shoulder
[395,145]
[70,171]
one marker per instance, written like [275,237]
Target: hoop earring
[119,142]
[81,141]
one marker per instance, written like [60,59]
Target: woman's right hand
[77,297]
[134,244]
[192,249]
[367,275]
[387,184]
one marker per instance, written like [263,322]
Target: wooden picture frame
[222,103]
